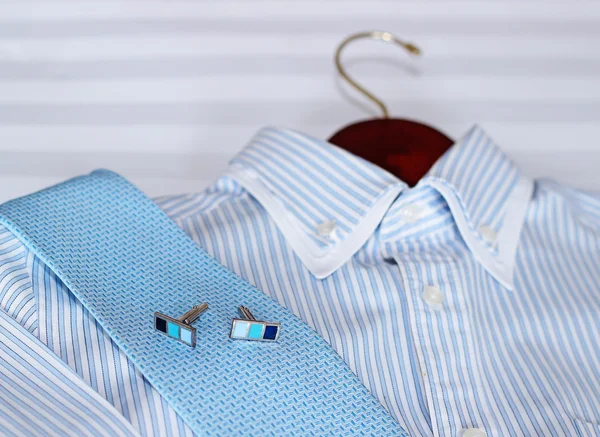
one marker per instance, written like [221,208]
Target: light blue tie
[125,259]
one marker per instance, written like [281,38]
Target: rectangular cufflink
[175,329]
[243,329]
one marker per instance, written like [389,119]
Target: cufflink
[180,329]
[248,328]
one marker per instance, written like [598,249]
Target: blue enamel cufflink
[180,329]
[248,328]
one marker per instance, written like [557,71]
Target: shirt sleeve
[42,396]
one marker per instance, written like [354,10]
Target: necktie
[125,259]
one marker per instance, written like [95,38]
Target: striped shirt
[469,301]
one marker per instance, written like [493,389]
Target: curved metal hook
[377,35]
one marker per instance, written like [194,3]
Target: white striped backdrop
[166,92]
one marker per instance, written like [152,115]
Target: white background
[165,92]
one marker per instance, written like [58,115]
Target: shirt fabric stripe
[512,349]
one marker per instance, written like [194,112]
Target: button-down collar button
[488,234]
[432,295]
[411,213]
[474,432]
[326,228]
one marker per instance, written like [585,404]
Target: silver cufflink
[248,328]
[180,329]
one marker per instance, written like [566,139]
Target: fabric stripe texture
[123,258]
[513,348]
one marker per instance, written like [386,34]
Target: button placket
[414,287]
[439,326]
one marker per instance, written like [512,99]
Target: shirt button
[326,228]
[411,213]
[474,432]
[488,234]
[432,295]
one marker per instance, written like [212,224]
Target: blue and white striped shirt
[469,301]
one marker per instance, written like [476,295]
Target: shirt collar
[328,202]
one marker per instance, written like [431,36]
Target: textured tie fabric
[124,259]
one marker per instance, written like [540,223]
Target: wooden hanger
[405,148]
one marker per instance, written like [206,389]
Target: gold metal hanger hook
[376,35]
